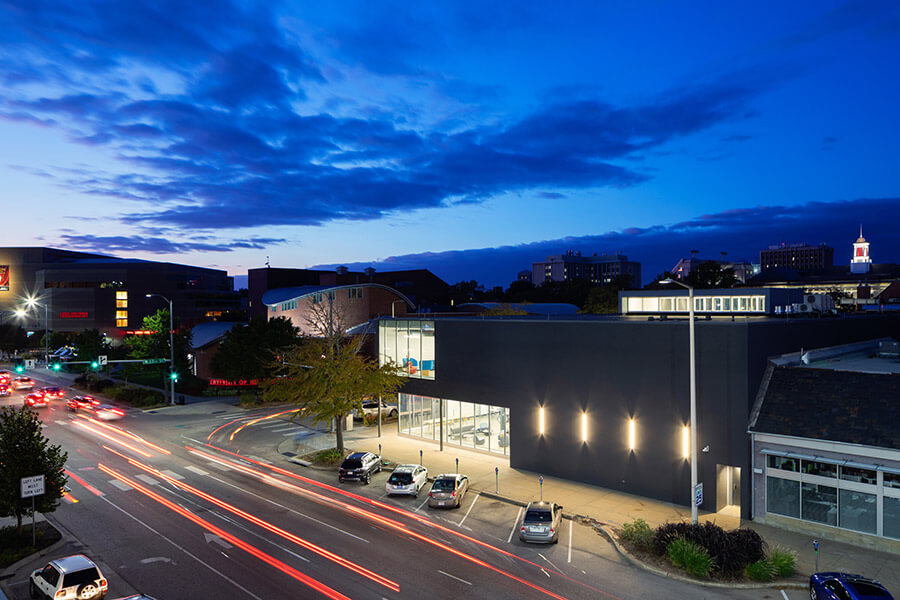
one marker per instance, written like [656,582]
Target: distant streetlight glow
[686,442]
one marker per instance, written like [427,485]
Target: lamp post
[171,349]
[392,307]
[690,290]
[31,302]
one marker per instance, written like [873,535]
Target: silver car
[68,578]
[407,479]
[541,523]
[448,490]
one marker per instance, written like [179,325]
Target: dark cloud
[741,233]
[158,245]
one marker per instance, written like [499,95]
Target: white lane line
[146,479]
[120,484]
[258,459]
[785,595]
[61,422]
[195,470]
[424,502]
[230,415]
[172,474]
[271,425]
[454,577]
[196,558]
[571,527]
[291,510]
[471,506]
[294,432]
[291,428]
[555,568]
[219,466]
[515,525]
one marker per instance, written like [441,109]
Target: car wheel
[33,591]
[88,591]
[368,479]
[812,593]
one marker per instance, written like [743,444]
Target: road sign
[32,486]
[101,360]
[698,494]
[154,361]
[29,363]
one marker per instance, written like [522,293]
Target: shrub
[784,561]
[638,534]
[730,551]
[135,396]
[760,570]
[332,456]
[690,557]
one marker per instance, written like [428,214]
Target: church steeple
[861,260]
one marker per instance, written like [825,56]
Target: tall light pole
[171,349]
[690,290]
[31,302]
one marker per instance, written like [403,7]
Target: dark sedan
[844,586]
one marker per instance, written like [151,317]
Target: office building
[597,269]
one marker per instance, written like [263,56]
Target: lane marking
[86,485]
[785,595]
[471,506]
[454,577]
[61,422]
[424,502]
[146,479]
[196,470]
[290,433]
[258,459]
[571,527]
[194,556]
[294,427]
[555,568]
[120,484]
[219,466]
[172,474]
[515,525]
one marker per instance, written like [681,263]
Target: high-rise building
[799,257]
[598,269]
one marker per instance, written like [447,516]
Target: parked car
[360,466]
[67,578]
[370,409]
[407,479]
[51,392]
[541,523]
[844,586]
[81,403]
[448,490]
[107,412]
[36,401]
[4,390]
[23,383]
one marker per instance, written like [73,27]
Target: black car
[359,466]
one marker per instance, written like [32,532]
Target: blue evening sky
[470,138]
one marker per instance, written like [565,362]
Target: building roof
[277,296]
[822,404]
[204,334]
[537,308]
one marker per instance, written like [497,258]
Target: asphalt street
[196,502]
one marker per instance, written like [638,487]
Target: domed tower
[861,260]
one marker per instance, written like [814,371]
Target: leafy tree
[156,343]
[504,311]
[711,275]
[89,344]
[249,352]
[605,299]
[12,337]
[25,452]
[327,381]
[466,291]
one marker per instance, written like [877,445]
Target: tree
[156,343]
[89,344]
[466,291]
[25,452]
[711,275]
[249,352]
[605,299]
[327,381]
[12,338]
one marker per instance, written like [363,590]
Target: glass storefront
[467,425]
[410,344]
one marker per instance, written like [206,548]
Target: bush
[135,396]
[784,561]
[638,534]
[760,570]
[690,557]
[332,456]
[730,551]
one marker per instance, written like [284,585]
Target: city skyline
[471,141]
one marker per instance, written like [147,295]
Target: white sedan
[407,479]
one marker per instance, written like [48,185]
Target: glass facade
[702,304]
[410,344]
[858,498]
[465,424]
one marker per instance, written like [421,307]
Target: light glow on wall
[685,442]
[632,434]
[583,427]
[541,420]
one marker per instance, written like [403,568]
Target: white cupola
[861,260]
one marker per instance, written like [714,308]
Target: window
[858,511]
[410,344]
[783,497]
[121,322]
[317,298]
[819,469]
[121,314]
[121,295]
[355,293]
[819,503]
[121,303]
[859,475]
[784,463]
[891,516]
[891,479]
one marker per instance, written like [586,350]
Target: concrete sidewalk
[492,474]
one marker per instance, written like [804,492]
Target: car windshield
[400,478]
[864,588]
[351,463]
[443,485]
[81,577]
[538,516]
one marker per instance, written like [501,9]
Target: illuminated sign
[139,332]
[233,382]
[4,278]
[73,315]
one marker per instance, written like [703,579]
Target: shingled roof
[840,406]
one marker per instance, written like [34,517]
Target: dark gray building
[603,401]
[598,269]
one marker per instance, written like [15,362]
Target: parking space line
[571,527]
[515,524]
[785,595]
[471,506]
[425,501]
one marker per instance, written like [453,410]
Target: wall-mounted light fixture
[686,442]
[583,427]
[541,420]
[632,434]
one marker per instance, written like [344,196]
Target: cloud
[742,233]
[159,245]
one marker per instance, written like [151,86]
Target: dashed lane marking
[119,484]
[172,474]
[146,479]
[195,470]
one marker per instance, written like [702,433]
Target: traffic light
[20,368]
[94,364]
[57,366]
[173,376]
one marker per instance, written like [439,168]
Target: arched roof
[279,295]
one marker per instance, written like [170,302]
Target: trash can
[180,399]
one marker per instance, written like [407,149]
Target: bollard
[541,480]
[420,457]
[457,465]
[497,480]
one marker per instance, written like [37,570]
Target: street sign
[101,360]
[698,494]
[154,361]
[29,363]
[32,486]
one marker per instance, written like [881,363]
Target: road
[170,506]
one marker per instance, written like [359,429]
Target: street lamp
[171,349]
[690,290]
[392,307]
[31,303]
